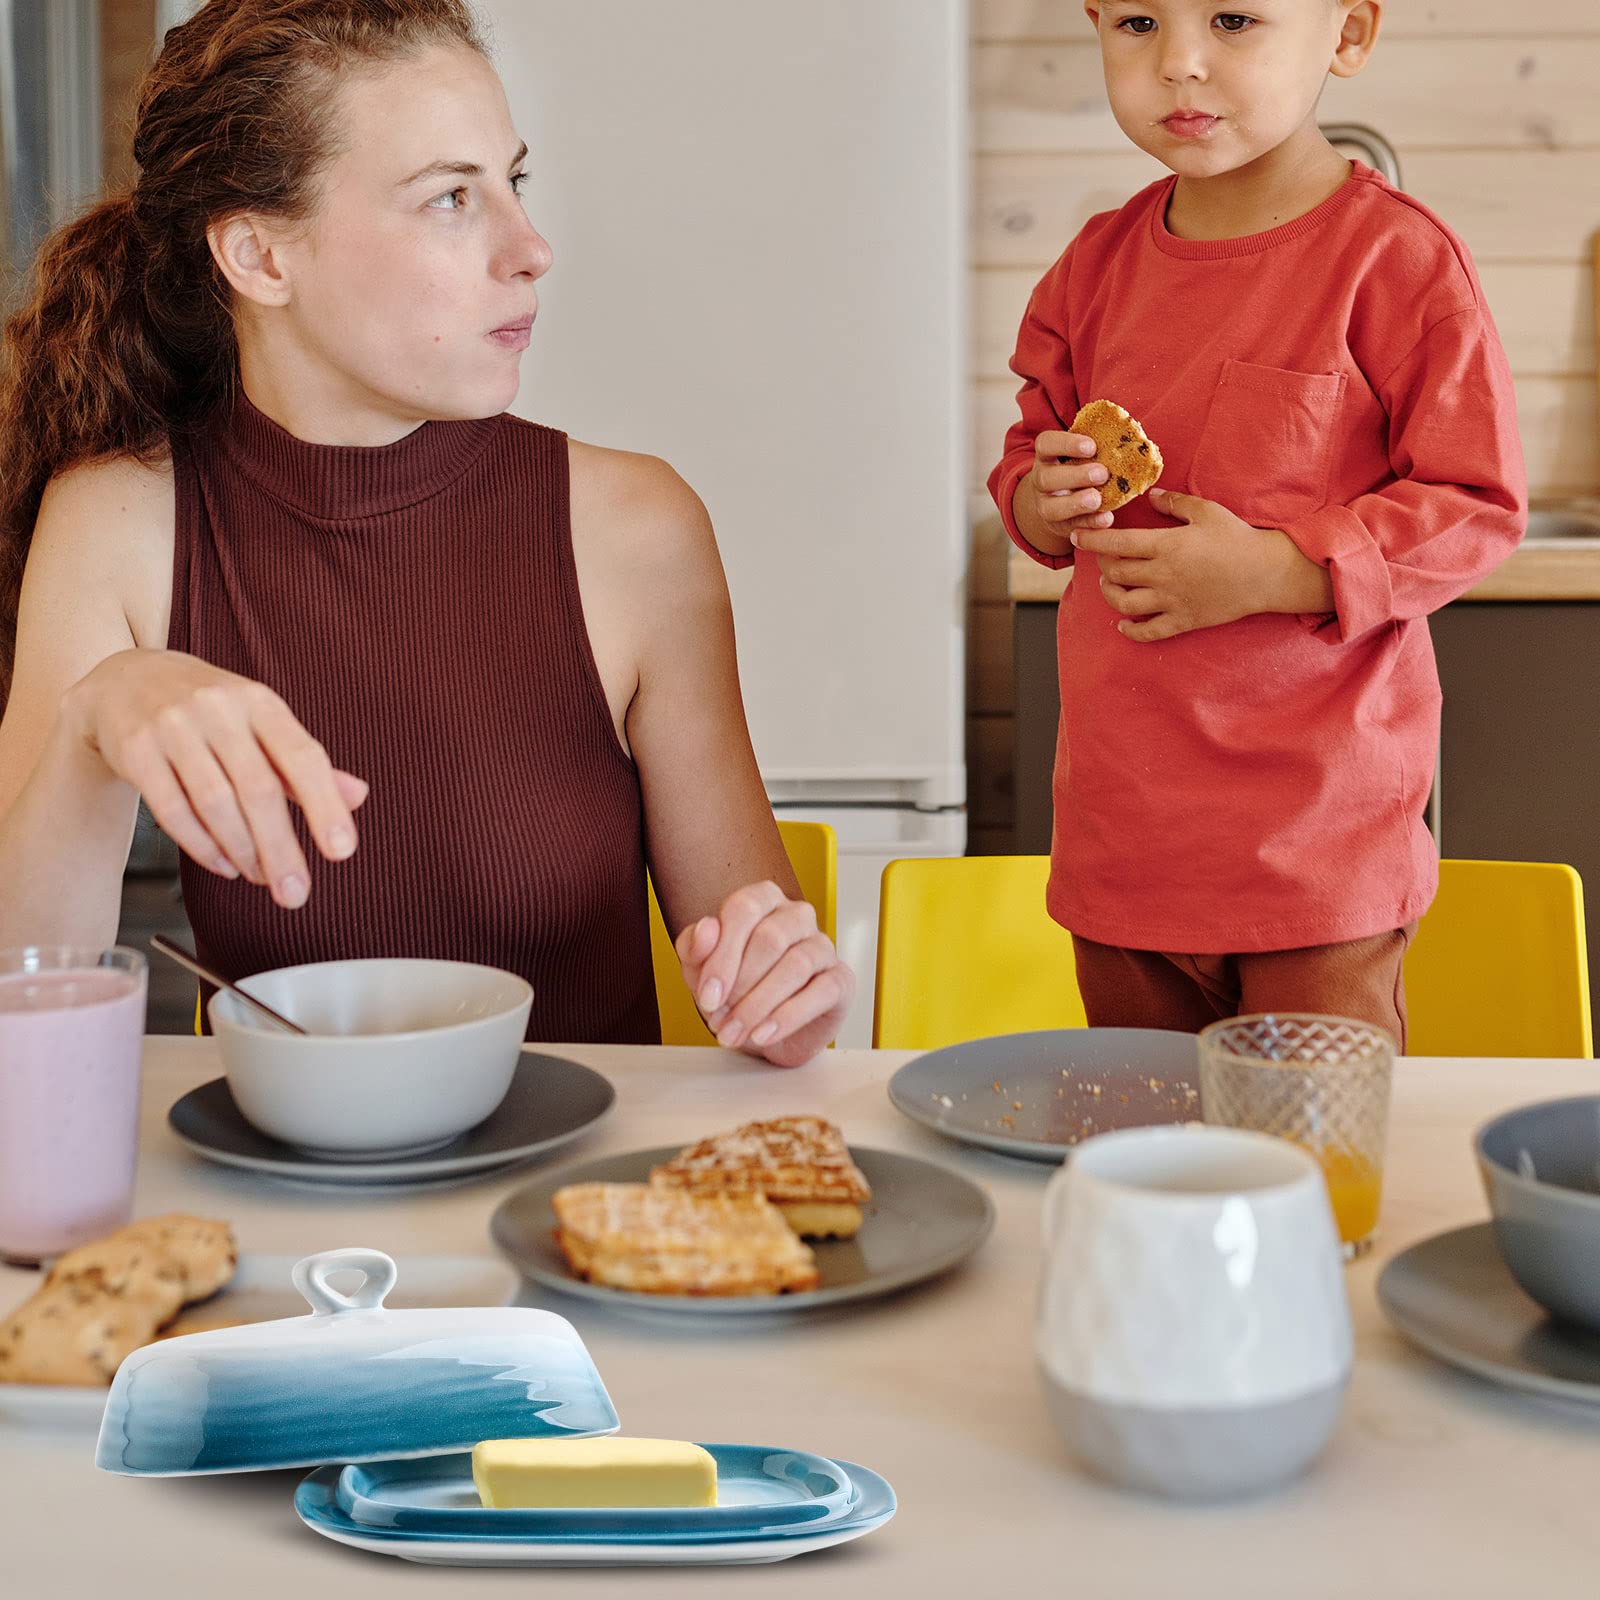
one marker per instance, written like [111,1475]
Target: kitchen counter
[1560,567]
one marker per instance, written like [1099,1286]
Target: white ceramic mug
[1193,1333]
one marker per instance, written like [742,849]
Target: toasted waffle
[801,1164]
[658,1240]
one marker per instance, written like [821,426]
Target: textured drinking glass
[71,1031]
[1322,1082]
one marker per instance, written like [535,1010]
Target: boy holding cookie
[1250,707]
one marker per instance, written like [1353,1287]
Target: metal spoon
[160,942]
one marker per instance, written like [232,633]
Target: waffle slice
[655,1240]
[801,1164]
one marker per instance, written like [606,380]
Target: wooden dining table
[1436,1484]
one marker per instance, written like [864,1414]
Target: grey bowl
[1541,1171]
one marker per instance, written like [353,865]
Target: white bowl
[401,1056]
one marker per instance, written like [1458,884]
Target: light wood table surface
[1435,1485]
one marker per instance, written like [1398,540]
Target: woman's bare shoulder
[122,484]
[637,508]
[112,522]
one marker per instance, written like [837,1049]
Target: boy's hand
[1216,568]
[1062,491]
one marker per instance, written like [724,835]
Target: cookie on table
[128,1269]
[1123,448]
[152,1258]
[204,1246]
[76,1331]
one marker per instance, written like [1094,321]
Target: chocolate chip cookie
[1123,448]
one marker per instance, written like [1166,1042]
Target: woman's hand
[765,979]
[217,758]
[1214,568]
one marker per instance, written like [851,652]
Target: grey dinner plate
[922,1220]
[1454,1296]
[550,1102]
[1036,1095]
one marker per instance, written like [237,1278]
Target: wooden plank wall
[127,41]
[1494,110]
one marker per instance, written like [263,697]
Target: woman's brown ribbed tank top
[416,605]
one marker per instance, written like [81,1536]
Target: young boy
[1250,707]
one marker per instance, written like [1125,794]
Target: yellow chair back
[966,949]
[814,854]
[1500,965]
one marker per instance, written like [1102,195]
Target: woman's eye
[1138,26]
[437,204]
[1233,22]
[517,181]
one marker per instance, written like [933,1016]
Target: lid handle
[311,1279]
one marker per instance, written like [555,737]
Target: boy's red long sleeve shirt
[1263,785]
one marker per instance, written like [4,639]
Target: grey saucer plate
[1036,1095]
[550,1102]
[922,1220]
[1454,1296]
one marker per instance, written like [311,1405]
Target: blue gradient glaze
[351,1386]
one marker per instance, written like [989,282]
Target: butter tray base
[321,1506]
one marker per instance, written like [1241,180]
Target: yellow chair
[1500,966]
[966,948]
[814,854]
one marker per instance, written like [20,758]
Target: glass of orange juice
[1321,1082]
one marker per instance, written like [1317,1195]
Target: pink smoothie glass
[71,1033]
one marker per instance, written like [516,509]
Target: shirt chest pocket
[1266,448]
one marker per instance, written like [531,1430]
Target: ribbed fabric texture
[416,605]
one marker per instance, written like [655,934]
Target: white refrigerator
[758,210]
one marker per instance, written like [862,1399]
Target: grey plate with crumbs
[922,1220]
[550,1102]
[1455,1297]
[1036,1095]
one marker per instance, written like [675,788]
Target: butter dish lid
[349,1382]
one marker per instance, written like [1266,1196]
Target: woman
[270,538]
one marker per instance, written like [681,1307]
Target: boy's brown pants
[1151,989]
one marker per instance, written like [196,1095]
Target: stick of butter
[530,1473]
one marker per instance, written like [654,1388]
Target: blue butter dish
[318,1502]
[759,1490]
[350,1382]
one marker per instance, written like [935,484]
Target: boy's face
[1208,90]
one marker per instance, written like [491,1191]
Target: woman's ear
[1358,37]
[243,249]
[1091,9]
